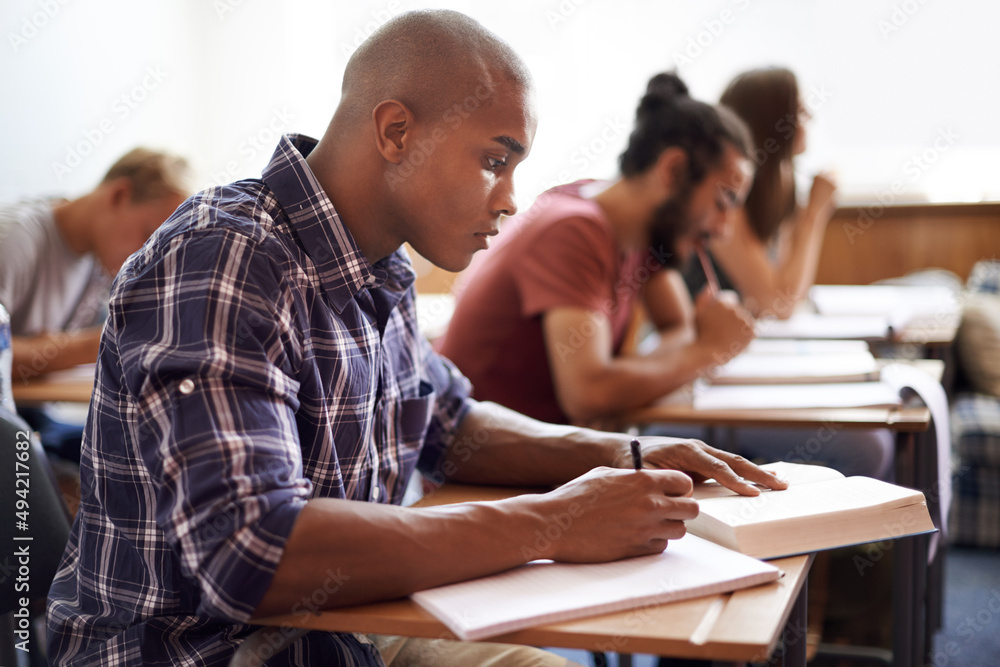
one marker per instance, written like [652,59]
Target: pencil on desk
[706,266]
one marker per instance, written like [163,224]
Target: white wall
[84,81]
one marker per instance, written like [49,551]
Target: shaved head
[429,61]
[435,114]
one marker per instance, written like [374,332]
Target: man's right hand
[724,327]
[612,513]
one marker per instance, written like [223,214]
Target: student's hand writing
[702,462]
[724,327]
[610,513]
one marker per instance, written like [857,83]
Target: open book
[820,509]
[546,592]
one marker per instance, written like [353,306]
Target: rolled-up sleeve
[212,373]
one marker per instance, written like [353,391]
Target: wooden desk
[902,419]
[916,583]
[934,334]
[71,386]
[749,627]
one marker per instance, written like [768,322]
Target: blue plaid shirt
[252,359]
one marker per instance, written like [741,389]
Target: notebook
[764,368]
[547,592]
[805,346]
[900,300]
[812,325]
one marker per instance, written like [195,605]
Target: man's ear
[393,125]
[671,169]
[118,192]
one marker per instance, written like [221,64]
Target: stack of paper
[800,346]
[899,301]
[812,325]
[760,368]
[794,396]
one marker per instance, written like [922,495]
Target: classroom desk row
[916,582]
[918,570]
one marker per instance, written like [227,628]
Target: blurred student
[770,257]
[57,259]
[540,323]
[771,254]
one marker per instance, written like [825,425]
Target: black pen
[636,454]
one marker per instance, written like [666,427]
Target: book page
[791,396]
[794,473]
[809,500]
[543,591]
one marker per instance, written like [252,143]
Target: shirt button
[186,386]
[376,492]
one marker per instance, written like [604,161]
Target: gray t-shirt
[44,284]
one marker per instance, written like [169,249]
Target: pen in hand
[636,454]
[706,267]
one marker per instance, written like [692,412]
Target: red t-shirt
[561,252]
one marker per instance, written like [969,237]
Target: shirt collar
[343,269]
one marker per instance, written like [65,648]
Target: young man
[541,319]
[57,257]
[264,393]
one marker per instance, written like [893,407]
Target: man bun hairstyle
[668,116]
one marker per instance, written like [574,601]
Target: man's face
[456,180]
[131,223]
[697,212]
